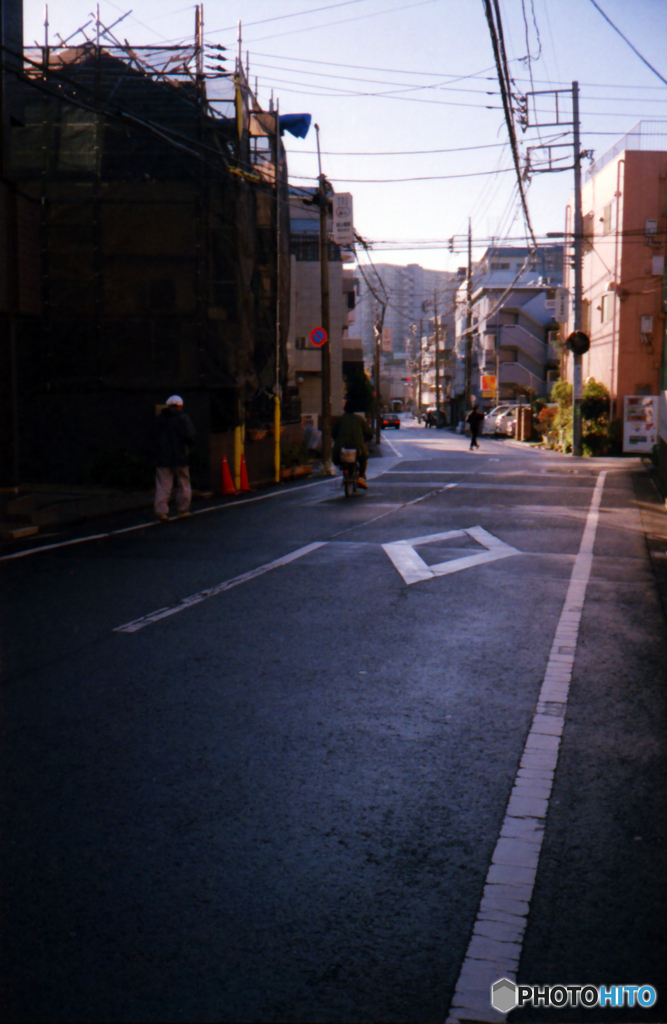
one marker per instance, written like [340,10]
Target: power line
[503,78]
[444,86]
[295,14]
[343,21]
[383,181]
[626,40]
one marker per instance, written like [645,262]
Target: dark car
[390,419]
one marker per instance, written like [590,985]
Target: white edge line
[496,942]
[156,522]
[219,588]
[394,450]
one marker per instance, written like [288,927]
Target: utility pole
[437,352]
[578,282]
[377,330]
[468,356]
[277,395]
[421,371]
[323,203]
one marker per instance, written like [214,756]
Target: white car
[493,418]
[506,422]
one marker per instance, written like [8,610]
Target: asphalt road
[282,799]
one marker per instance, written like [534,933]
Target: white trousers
[164,482]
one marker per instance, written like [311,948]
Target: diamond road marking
[414,569]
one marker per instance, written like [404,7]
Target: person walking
[474,421]
[172,435]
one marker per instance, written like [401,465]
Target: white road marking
[414,569]
[394,508]
[156,522]
[203,595]
[497,938]
[394,450]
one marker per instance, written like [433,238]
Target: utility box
[524,423]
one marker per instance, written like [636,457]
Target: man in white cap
[173,434]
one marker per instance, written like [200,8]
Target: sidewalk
[653,512]
[25,509]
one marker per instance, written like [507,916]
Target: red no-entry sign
[318,336]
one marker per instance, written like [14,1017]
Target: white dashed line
[497,938]
[203,595]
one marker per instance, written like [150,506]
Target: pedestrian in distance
[474,421]
[173,433]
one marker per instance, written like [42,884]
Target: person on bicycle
[351,431]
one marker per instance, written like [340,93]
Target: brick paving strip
[497,936]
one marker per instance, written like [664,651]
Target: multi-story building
[304,358]
[513,328]
[625,224]
[412,293]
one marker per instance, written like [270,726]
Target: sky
[406,96]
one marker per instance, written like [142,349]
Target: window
[300,343]
[607,307]
[500,266]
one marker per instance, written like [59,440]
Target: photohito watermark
[506,995]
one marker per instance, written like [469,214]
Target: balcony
[518,375]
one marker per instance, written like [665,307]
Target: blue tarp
[295,124]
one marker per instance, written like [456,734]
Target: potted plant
[295,461]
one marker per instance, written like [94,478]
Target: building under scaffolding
[149,182]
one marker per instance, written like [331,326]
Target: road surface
[303,758]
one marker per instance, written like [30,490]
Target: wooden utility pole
[323,203]
[377,330]
[468,356]
[437,352]
[421,371]
[277,395]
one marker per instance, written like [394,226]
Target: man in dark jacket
[474,421]
[351,431]
[172,435]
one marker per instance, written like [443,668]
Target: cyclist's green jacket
[351,432]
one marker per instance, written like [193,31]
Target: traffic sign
[318,336]
[578,343]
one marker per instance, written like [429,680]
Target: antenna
[46,26]
[240,46]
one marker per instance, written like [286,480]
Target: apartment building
[513,327]
[624,201]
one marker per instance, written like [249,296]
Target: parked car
[506,422]
[391,419]
[491,420]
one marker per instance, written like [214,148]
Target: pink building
[625,224]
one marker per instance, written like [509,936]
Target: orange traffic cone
[227,483]
[245,486]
